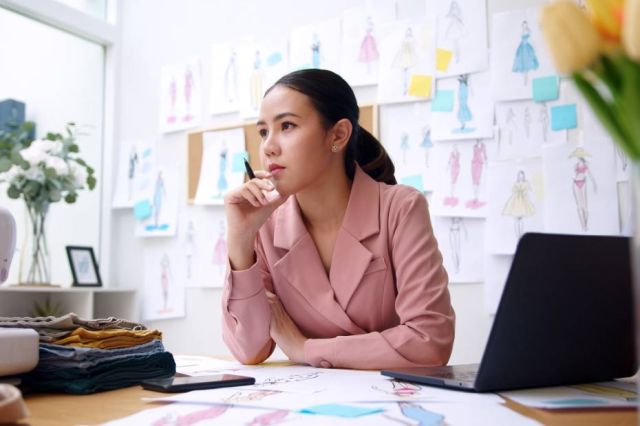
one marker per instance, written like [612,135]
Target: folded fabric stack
[84,356]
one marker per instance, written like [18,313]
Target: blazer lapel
[302,268]
[362,220]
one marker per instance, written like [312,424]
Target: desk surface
[58,410]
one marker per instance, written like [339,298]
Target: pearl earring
[334,148]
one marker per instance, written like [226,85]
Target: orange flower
[607,17]
[573,41]
[631,29]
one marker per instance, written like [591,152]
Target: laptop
[565,317]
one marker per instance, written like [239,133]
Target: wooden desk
[59,410]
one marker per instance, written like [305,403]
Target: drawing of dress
[406,57]
[581,170]
[222,173]
[271,418]
[165,272]
[477,165]
[256,81]
[173,93]
[404,146]
[527,122]
[426,144]
[220,249]
[454,241]
[190,246]
[230,78]
[188,87]
[455,28]
[464,113]
[454,170]
[131,173]
[315,52]
[368,47]
[158,194]
[525,59]
[518,205]
[423,416]
[544,121]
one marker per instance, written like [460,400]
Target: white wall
[159,32]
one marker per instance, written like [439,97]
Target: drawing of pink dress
[454,164]
[172,97]
[270,418]
[368,49]
[188,85]
[477,164]
[220,252]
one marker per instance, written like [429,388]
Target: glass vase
[635,256]
[34,258]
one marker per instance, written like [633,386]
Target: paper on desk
[194,365]
[604,394]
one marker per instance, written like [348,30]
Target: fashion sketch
[166,277]
[426,144]
[316,55]
[368,46]
[478,162]
[191,418]
[159,193]
[406,57]
[189,246]
[270,418]
[525,59]
[131,171]
[456,228]
[249,395]
[220,249]
[400,389]
[543,119]
[464,113]
[453,166]
[579,185]
[231,78]
[173,94]
[455,29]
[404,146]
[222,184]
[519,205]
[419,414]
[188,88]
[257,75]
[526,118]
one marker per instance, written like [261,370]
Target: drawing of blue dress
[315,54]
[426,140]
[525,59]
[222,178]
[422,416]
[464,113]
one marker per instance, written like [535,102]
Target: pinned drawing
[455,29]
[478,162]
[525,59]
[579,185]
[257,77]
[426,144]
[163,291]
[315,46]
[543,119]
[173,96]
[188,91]
[455,229]
[222,184]
[527,122]
[231,78]
[453,166]
[316,55]
[159,193]
[369,46]
[165,282]
[220,249]
[406,57]
[464,113]
[404,146]
[519,205]
[180,95]
[510,127]
[189,248]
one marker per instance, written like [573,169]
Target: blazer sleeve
[246,314]
[424,335]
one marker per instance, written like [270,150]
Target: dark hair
[334,100]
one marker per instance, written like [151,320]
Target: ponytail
[368,152]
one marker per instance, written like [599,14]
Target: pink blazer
[385,303]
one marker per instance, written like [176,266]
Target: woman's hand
[246,209]
[284,331]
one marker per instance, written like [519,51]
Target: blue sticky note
[564,117]
[415,181]
[443,101]
[545,88]
[142,210]
[237,164]
[340,410]
[274,59]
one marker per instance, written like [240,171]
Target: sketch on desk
[289,379]
[249,395]
[399,389]
[171,419]
[270,418]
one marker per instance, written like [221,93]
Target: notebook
[565,316]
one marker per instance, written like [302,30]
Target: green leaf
[54,195]
[13,192]
[70,198]
[91,182]
[5,164]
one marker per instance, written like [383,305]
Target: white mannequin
[7,242]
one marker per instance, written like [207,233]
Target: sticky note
[237,163]
[142,210]
[443,58]
[414,180]
[340,410]
[564,117]
[545,88]
[420,85]
[443,101]
[274,59]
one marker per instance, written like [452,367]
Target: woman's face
[295,144]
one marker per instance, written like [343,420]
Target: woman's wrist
[240,250]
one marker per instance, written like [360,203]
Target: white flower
[11,174]
[33,154]
[35,173]
[44,145]
[79,174]
[58,164]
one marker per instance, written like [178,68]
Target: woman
[579,187]
[328,258]
[518,205]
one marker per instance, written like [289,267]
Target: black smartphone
[189,383]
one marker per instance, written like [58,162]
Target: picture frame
[84,267]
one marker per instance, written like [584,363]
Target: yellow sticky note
[420,85]
[443,57]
